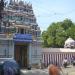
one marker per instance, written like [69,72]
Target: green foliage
[57,33]
[66,24]
[71,31]
[44,37]
[50,41]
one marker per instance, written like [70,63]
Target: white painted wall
[58,50]
[53,55]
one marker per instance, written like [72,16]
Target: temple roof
[69,40]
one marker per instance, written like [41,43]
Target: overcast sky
[48,11]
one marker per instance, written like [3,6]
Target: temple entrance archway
[21,54]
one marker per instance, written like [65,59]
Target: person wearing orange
[54,70]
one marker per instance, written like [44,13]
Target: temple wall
[6,49]
[35,53]
[57,55]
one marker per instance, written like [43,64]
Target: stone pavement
[34,72]
[70,70]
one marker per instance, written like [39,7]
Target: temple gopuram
[20,34]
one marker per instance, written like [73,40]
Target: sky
[48,11]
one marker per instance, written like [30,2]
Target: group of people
[55,69]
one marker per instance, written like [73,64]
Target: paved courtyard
[70,70]
[34,72]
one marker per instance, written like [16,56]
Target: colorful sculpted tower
[21,17]
[20,34]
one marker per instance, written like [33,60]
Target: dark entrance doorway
[21,54]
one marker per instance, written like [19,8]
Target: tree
[57,33]
[66,24]
[71,31]
[44,38]
[50,41]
